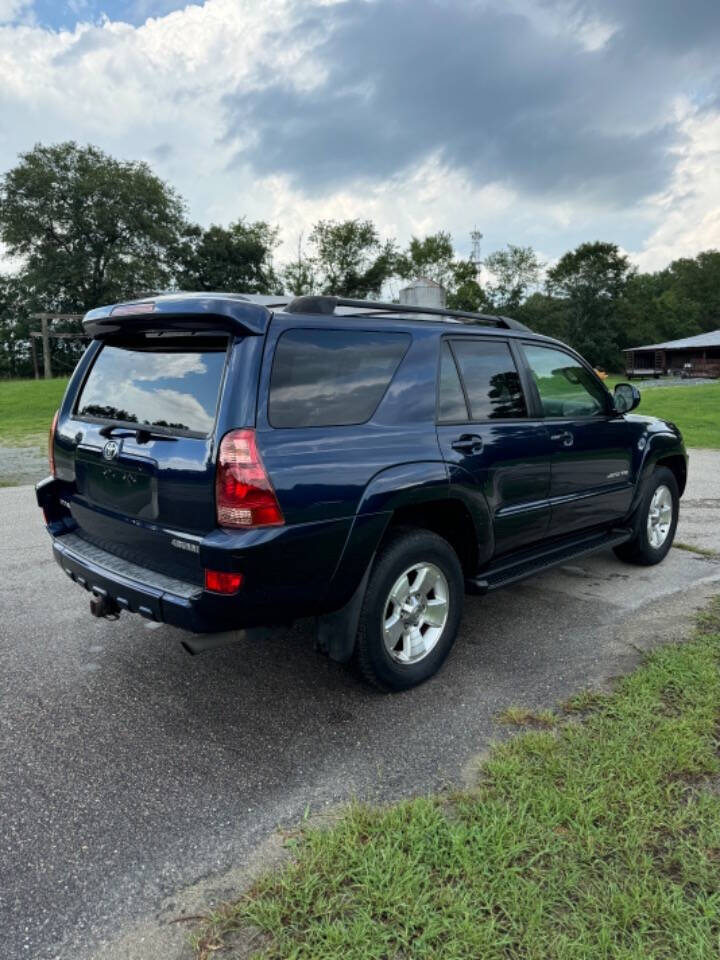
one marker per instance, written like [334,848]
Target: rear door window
[171,385]
[491,380]
[451,400]
[323,378]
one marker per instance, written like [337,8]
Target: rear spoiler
[184,311]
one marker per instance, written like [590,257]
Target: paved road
[130,771]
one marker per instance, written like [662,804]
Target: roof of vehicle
[251,313]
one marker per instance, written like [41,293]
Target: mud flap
[336,631]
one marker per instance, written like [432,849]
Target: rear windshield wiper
[141,434]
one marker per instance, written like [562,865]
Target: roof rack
[327,304]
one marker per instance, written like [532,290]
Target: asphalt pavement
[137,783]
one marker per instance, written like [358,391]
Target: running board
[507,573]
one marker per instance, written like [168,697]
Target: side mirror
[627,397]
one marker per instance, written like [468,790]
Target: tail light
[51,443]
[217,581]
[244,496]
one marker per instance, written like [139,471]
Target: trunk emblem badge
[111,450]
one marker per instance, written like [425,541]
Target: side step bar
[510,572]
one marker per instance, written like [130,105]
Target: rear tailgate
[137,436]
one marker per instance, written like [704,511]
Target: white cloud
[688,213]
[11,10]
[156,92]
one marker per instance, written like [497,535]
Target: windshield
[173,386]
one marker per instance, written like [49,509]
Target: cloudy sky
[543,122]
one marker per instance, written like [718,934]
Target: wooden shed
[691,357]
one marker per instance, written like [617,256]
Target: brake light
[244,495]
[51,443]
[220,582]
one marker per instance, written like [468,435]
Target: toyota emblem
[111,450]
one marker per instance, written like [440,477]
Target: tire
[423,629]
[653,537]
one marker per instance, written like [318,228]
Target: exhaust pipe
[195,643]
[203,642]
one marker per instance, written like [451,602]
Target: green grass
[695,410]
[598,838]
[27,408]
[691,548]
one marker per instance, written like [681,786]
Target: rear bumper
[155,596]
[134,588]
[286,569]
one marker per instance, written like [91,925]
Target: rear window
[173,386]
[323,378]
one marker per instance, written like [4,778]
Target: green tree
[544,314]
[431,257]
[349,259]
[696,280]
[15,325]
[591,280]
[652,312]
[513,272]
[298,277]
[88,228]
[465,291]
[236,258]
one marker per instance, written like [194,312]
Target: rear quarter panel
[347,480]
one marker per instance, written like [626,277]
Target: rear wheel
[655,521]
[411,611]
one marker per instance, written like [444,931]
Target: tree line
[81,228]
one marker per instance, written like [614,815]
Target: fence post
[46,347]
[34,357]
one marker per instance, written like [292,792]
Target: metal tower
[475,257]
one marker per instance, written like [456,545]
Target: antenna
[475,257]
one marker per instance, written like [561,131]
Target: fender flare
[658,445]
[403,485]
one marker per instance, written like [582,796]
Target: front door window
[567,389]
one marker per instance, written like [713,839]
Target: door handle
[566,437]
[468,443]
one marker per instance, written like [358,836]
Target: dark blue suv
[221,463]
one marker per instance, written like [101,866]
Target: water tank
[423,293]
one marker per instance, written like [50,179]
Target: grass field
[27,408]
[596,834]
[696,410]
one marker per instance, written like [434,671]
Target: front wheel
[655,521]
[411,611]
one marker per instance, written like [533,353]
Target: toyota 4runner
[223,462]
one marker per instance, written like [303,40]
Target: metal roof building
[697,356]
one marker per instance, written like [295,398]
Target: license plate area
[127,485]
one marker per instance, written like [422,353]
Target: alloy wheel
[660,516]
[415,613]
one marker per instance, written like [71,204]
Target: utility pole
[46,346]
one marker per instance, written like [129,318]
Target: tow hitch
[104,607]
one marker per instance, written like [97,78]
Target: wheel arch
[450,518]
[412,495]
[677,464]
[662,449]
